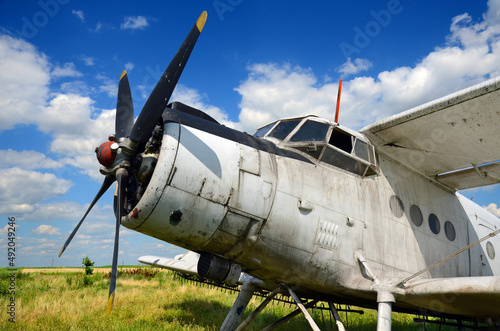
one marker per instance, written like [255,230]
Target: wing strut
[402,283]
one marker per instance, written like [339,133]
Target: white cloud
[193,98]
[67,70]
[470,55]
[46,230]
[27,160]
[80,14]
[66,114]
[70,119]
[21,189]
[350,68]
[76,130]
[24,78]
[109,86]
[76,87]
[275,91]
[98,27]
[66,211]
[134,23]
[129,66]
[88,60]
[493,208]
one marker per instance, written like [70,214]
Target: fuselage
[304,211]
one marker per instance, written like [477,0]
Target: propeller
[122,181]
[116,155]
[108,180]
[124,108]
[158,99]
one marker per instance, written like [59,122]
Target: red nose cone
[105,155]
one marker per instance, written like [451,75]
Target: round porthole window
[449,230]
[396,206]
[416,215]
[434,224]
[490,250]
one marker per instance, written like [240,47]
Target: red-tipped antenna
[338,102]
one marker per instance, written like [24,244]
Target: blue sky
[255,61]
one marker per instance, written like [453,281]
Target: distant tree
[88,265]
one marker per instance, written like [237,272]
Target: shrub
[87,280]
[88,264]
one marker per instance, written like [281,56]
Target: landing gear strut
[246,293]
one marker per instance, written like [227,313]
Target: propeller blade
[124,108]
[122,180]
[108,180]
[157,101]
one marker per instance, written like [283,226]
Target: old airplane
[312,209]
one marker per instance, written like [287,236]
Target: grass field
[65,299]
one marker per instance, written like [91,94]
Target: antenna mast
[338,102]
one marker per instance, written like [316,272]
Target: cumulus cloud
[193,98]
[27,160]
[493,208]
[46,230]
[76,130]
[87,60]
[135,23]
[350,68]
[108,86]
[20,189]
[66,211]
[24,78]
[67,70]
[274,91]
[469,55]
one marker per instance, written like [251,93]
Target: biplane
[311,209]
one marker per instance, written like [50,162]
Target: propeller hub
[106,153]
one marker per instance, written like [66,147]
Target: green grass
[47,300]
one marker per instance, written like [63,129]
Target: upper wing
[467,296]
[453,139]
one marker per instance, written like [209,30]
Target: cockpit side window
[364,151]
[311,131]
[262,131]
[283,129]
[340,160]
[347,152]
[341,140]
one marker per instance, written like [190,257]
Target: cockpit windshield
[311,131]
[283,129]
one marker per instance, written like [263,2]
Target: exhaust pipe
[218,269]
